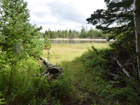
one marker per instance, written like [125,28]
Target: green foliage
[118,22]
[18,35]
[122,28]
[51,92]
[94,58]
[19,82]
[2,100]
[98,64]
[30,88]
[83,32]
[61,88]
[122,21]
[20,43]
[74,34]
[111,89]
[47,46]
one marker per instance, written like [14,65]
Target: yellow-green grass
[84,82]
[67,56]
[68,52]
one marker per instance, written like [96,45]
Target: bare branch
[47,62]
[121,66]
[114,75]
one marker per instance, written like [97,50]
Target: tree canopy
[117,19]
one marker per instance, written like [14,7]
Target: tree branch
[121,66]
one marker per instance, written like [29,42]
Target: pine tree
[83,32]
[19,38]
[119,14]
[90,33]
[118,22]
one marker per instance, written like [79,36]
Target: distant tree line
[92,33]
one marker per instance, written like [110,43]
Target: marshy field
[83,81]
[79,82]
[68,52]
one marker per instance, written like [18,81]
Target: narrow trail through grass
[83,82]
[68,57]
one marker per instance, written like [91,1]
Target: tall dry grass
[68,52]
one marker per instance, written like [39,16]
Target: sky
[63,14]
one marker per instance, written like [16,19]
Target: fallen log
[52,71]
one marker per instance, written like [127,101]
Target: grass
[68,57]
[68,52]
[79,71]
[83,81]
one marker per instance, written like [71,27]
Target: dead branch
[121,66]
[46,62]
[114,75]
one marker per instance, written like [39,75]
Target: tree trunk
[52,71]
[137,31]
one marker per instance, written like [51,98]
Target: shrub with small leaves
[2,100]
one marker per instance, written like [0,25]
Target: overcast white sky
[62,14]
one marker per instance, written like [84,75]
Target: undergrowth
[29,88]
[111,88]
[85,81]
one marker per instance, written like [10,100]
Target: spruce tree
[117,21]
[83,32]
[18,35]
[19,38]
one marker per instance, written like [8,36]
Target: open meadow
[68,52]
[75,72]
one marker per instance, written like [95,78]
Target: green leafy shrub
[29,88]
[61,88]
[2,100]
[99,64]
[109,90]
[94,57]
[22,76]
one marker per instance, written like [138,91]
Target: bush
[99,64]
[27,87]
[94,58]
[23,73]
[2,100]
[61,88]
